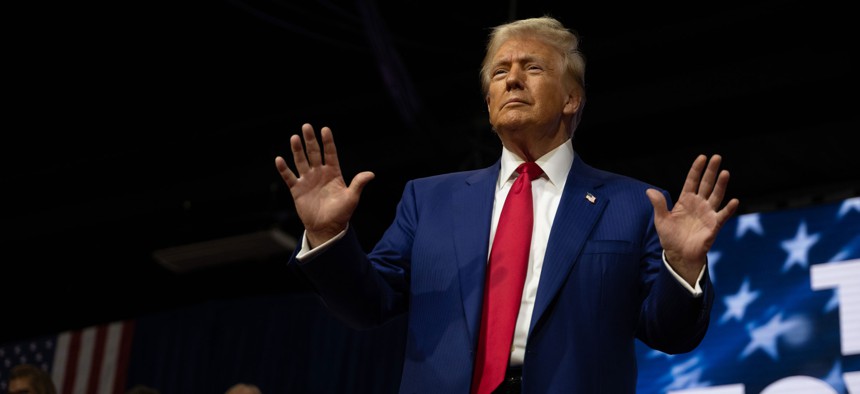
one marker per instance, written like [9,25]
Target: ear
[573,103]
[487,100]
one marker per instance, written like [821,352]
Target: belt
[513,382]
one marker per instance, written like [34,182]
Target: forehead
[517,48]
[19,385]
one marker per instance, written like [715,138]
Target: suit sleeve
[366,290]
[672,319]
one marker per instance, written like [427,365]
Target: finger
[329,150]
[658,200]
[312,147]
[724,214]
[706,186]
[360,180]
[299,157]
[285,171]
[691,184]
[716,198]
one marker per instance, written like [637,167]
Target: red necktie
[506,275]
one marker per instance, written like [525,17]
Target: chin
[512,124]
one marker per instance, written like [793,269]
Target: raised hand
[688,231]
[323,201]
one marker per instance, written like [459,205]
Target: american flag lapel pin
[590,197]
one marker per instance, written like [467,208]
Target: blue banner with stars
[786,317]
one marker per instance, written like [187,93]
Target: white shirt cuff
[695,291]
[307,253]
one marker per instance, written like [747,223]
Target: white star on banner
[687,375]
[798,248]
[849,205]
[750,221]
[713,258]
[656,353]
[834,377]
[764,337]
[736,304]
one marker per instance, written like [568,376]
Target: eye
[499,72]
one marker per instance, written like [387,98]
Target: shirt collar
[555,165]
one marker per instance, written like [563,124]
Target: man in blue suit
[612,259]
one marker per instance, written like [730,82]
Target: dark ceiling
[139,126]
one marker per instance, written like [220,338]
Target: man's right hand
[323,201]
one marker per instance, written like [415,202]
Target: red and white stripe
[93,360]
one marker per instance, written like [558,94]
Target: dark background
[138,126]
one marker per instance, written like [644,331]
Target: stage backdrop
[786,317]
[786,320]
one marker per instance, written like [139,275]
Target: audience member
[243,388]
[30,379]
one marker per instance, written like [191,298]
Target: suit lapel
[474,209]
[579,209]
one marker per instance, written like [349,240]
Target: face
[20,386]
[528,94]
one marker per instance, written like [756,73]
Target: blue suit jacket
[602,286]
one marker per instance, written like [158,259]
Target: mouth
[514,102]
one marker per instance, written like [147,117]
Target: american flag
[786,317]
[93,360]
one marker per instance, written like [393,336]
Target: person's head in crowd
[30,379]
[243,388]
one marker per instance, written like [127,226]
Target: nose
[514,78]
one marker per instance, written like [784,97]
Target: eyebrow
[523,59]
